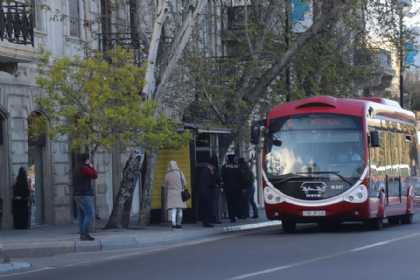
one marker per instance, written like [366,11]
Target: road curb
[251,226]
[13,267]
[50,248]
[38,249]
[119,243]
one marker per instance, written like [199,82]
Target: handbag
[185,194]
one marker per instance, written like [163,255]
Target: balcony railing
[16,23]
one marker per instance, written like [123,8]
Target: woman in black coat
[21,200]
[207,181]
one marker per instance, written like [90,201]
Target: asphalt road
[352,252]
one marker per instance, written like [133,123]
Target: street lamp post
[402,5]
[401,54]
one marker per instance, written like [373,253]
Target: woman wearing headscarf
[21,200]
[175,184]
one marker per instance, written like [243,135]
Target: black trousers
[251,191]
[215,211]
[243,204]
[205,209]
[233,198]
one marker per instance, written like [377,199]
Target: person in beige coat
[174,184]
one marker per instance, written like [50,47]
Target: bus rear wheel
[289,226]
[407,219]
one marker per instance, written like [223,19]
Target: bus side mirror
[374,139]
[256,131]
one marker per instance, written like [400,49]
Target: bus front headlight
[272,196]
[358,195]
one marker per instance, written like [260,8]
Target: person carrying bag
[176,191]
[185,194]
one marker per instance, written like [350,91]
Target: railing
[126,40]
[16,23]
[377,56]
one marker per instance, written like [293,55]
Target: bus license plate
[318,213]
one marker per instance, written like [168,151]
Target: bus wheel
[289,226]
[394,220]
[375,224]
[407,219]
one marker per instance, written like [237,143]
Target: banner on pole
[302,15]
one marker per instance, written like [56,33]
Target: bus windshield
[324,145]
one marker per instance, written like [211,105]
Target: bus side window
[374,139]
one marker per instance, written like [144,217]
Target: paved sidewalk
[52,240]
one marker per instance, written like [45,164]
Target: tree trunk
[131,174]
[146,198]
[151,89]
[150,76]
[125,219]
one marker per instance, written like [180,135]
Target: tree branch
[179,45]
[253,94]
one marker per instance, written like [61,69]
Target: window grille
[74,17]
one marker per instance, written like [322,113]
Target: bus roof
[376,106]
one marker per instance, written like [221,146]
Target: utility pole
[287,28]
[401,54]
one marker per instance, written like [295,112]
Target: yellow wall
[182,157]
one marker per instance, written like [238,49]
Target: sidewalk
[52,240]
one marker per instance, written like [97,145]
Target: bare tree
[152,90]
[234,87]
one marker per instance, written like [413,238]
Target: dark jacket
[83,181]
[21,190]
[208,180]
[231,177]
[246,178]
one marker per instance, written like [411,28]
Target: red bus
[331,160]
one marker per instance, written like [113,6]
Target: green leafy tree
[96,102]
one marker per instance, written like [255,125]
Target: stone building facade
[71,28]
[64,28]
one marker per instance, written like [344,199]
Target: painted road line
[385,242]
[305,262]
[131,253]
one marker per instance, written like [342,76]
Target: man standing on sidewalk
[84,195]
[231,182]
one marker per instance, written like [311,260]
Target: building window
[74,17]
[39,23]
